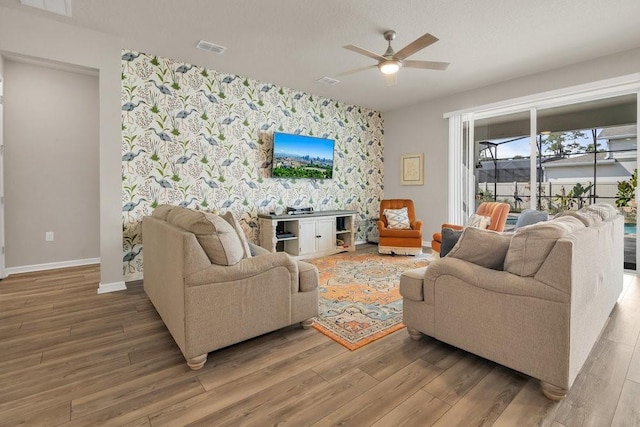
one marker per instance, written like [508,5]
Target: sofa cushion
[228,216]
[479,221]
[485,248]
[603,210]
[162,211]
[531,244]
[588,218]
[449,239]
[397,218]
[530,216]
[216,236]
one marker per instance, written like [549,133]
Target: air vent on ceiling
[328,81]
[211,47]
[61,7]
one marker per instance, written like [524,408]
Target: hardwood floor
[72,357]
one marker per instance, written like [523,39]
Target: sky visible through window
[520,147]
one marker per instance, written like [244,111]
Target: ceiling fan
[390,62]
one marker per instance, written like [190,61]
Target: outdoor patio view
[573,168]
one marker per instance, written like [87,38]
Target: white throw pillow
[397,218]
[479,221]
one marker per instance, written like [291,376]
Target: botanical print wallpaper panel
[199,138]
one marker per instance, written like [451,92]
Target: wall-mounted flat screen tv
[299,156]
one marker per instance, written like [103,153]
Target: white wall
[51,163]
[30,35]
[422,128]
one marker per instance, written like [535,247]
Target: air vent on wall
[211,47]
[328,81]
[61,7]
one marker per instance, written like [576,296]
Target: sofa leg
[306,324]
[197,362]
[553,392]
[414,333]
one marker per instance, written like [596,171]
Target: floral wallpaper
[199,138]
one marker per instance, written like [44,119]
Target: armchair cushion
[217,237]
[228,216]
[397,218]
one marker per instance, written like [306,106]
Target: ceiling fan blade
[415,46]
[364,52]
[390,79]
[357,70]
[427,65]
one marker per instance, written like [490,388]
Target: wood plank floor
[72,357]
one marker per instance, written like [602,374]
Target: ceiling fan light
[390,66]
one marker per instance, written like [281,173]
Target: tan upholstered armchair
[213,291]
[399,241]
[497,211]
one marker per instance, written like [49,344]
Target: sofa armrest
[416,225]
[492,280]
[245,269]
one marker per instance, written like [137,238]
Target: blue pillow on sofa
[530,216]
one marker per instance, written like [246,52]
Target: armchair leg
[414,334]
[306,324]
[197,362]
[553,392]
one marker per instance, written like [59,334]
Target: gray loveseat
[212,288]
[534,301]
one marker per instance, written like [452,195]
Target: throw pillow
[228,216]
[485,248]
[479,221]
[162,211]
[397,218]
[449,239]
[530,216]
[531,244]
[217,237]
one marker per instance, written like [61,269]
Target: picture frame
[412,169]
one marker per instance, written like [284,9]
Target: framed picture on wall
[412,169]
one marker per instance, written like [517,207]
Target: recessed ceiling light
[328,81]
[61,7]
[211,47]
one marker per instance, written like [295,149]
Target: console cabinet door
[317,235]
[307,237]
[326,230]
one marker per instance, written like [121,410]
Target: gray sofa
[535,301]
[212,288]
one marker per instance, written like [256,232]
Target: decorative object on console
[412,169]
[496,210]
[399,241]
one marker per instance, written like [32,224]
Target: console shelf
[315,234]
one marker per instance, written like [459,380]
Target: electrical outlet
[48,236]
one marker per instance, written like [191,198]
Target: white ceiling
[293,43]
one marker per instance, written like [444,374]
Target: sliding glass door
[556,158]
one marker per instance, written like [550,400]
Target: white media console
[308,235]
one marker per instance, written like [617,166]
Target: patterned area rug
[359,296]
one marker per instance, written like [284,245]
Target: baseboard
[361,242]
[104,288]
[51,266]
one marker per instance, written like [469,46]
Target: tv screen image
[299,156]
